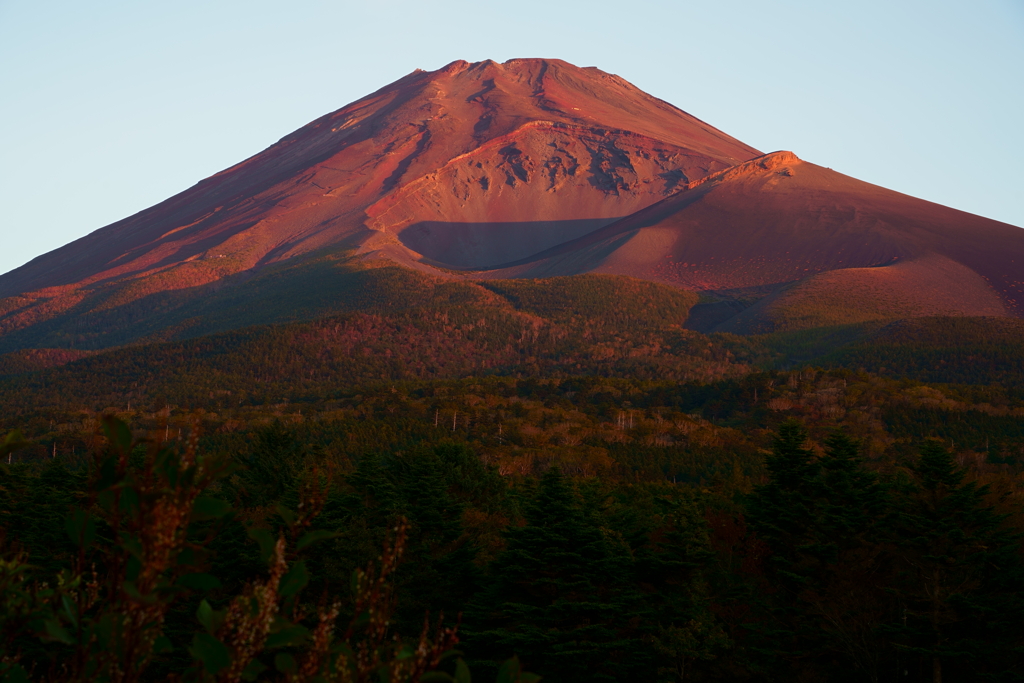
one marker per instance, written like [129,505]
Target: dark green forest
[514,477]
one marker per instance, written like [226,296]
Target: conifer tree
[783,510]
[558,596]
[961,578]
[822,518]
[686,629]
[359,512]
[439,574]
[846,597]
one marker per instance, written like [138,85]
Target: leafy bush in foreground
[141,536]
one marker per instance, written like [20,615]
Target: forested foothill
[518,469]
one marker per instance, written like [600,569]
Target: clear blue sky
[108,107]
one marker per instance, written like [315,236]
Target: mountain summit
[529,168]
[532,141]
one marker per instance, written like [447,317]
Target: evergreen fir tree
[822,519]
[686,629]
[962,581]
[558,597]
[780,512]
[438,574]
[846,598]
[360,509]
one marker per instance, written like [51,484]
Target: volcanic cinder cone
[774,221]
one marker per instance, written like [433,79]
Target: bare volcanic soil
[860,251]
[527,169]
[472,165]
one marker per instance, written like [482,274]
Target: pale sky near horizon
[109,107]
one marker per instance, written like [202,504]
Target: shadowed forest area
[544,486]
[808,525]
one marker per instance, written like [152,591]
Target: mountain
[528,169]
[470,165]
[821,248]
[476,300]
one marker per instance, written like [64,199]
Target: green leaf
[436,677]
[107,474]
[207,617]
[285,663]
[162,645]
[314,536]
[187,557]
[287,515]
[70,609]
[199,582]
[295,580]
[129,501]
[266,541]
[57,632]
[211,652]
[253,670]
[293,635]
[451,653]
[462,672]
[13,437]
[15,674]
[118,433]
[206,507]
[12,442]
[81,528]
[132,544]
[105,630]
[171,470]
[509,671]
[132,591]
[133,568]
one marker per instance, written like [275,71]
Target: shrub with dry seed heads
[106,614]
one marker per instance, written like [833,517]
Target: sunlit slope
[929,285]
[299,289]
[778,220]
[471,165]
[529,169]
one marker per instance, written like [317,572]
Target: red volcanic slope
[533,168]
[777,219]
[556,149]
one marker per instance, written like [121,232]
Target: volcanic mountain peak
[528,168]
[530,140]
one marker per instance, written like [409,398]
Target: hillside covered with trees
[538,470]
